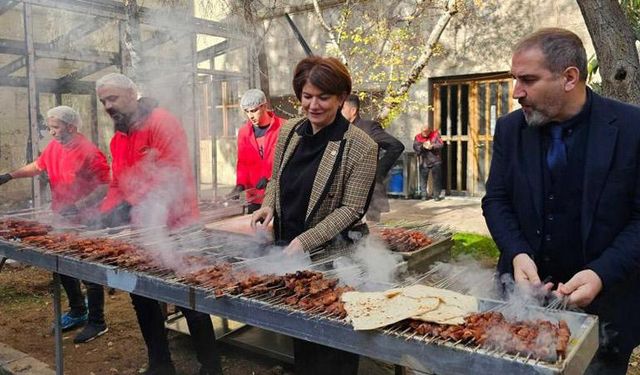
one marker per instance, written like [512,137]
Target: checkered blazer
[342,186]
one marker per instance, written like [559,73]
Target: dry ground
[25,324]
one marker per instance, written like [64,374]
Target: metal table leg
[57,311]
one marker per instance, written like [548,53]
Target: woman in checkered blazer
[321,184]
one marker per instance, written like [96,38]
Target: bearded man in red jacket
[153,184]
[256,144]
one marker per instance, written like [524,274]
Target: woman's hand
[262,216]
[295,247]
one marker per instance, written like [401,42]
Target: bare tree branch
[332,36]
[420,64]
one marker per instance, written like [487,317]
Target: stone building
[198,57]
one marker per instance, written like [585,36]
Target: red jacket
[75,170]
[152,172]
[252,164]
[428,158]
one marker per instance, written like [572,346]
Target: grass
[22,284]
[10,295]
[475,245]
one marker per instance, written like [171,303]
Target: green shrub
[475,245]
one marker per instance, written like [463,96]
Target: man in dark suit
[563,194]
[390,150]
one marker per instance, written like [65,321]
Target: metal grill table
[418,353]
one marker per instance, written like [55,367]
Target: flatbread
[452,310]
[378,309]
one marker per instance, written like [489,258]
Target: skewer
[411,336]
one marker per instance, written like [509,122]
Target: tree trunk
[614,42]
[420,64]
[332,36]
[130,45]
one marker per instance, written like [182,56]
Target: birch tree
[388,49]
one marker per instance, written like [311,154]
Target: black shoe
[90,332]
[163,369]
[438,199]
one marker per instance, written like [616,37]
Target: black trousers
[609,361]
[95,299]
[252,207]
[315,359]
[151,323]
[436,175]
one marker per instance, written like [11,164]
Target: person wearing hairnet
[256,144]
[153,185]
[79,177]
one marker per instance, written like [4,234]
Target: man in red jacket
[152,185]
[256,144]
[427,144]
[79,176]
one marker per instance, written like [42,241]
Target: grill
[397,344]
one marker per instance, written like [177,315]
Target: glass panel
[482,172]
[463,182]
[465,109]
[453,111]
[482,121]
[493,109]
[454,165]
[445,170]
[504,103]
[444,108]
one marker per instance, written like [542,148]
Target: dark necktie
[557,153]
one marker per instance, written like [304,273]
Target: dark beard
[121,127]
[120,121]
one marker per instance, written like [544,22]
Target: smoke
[370,267]
[465,275]
[277,262]
[520,297]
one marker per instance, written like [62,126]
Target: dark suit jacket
[392,147]
[610,212]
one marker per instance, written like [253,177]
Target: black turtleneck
[296,181]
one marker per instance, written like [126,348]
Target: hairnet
[65,114]
[252,98]
[116,80]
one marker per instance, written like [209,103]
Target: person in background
[79,176]
[389,149]
[153,185]
[427,144]
[256,145]
[323,176]
[563,194]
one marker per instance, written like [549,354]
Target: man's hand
[427,145]
[582,288]
[262,217]
[69,211]
[295,247]
[5,178]
[235,193]
[118,216]
[262,183]
[525,271]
